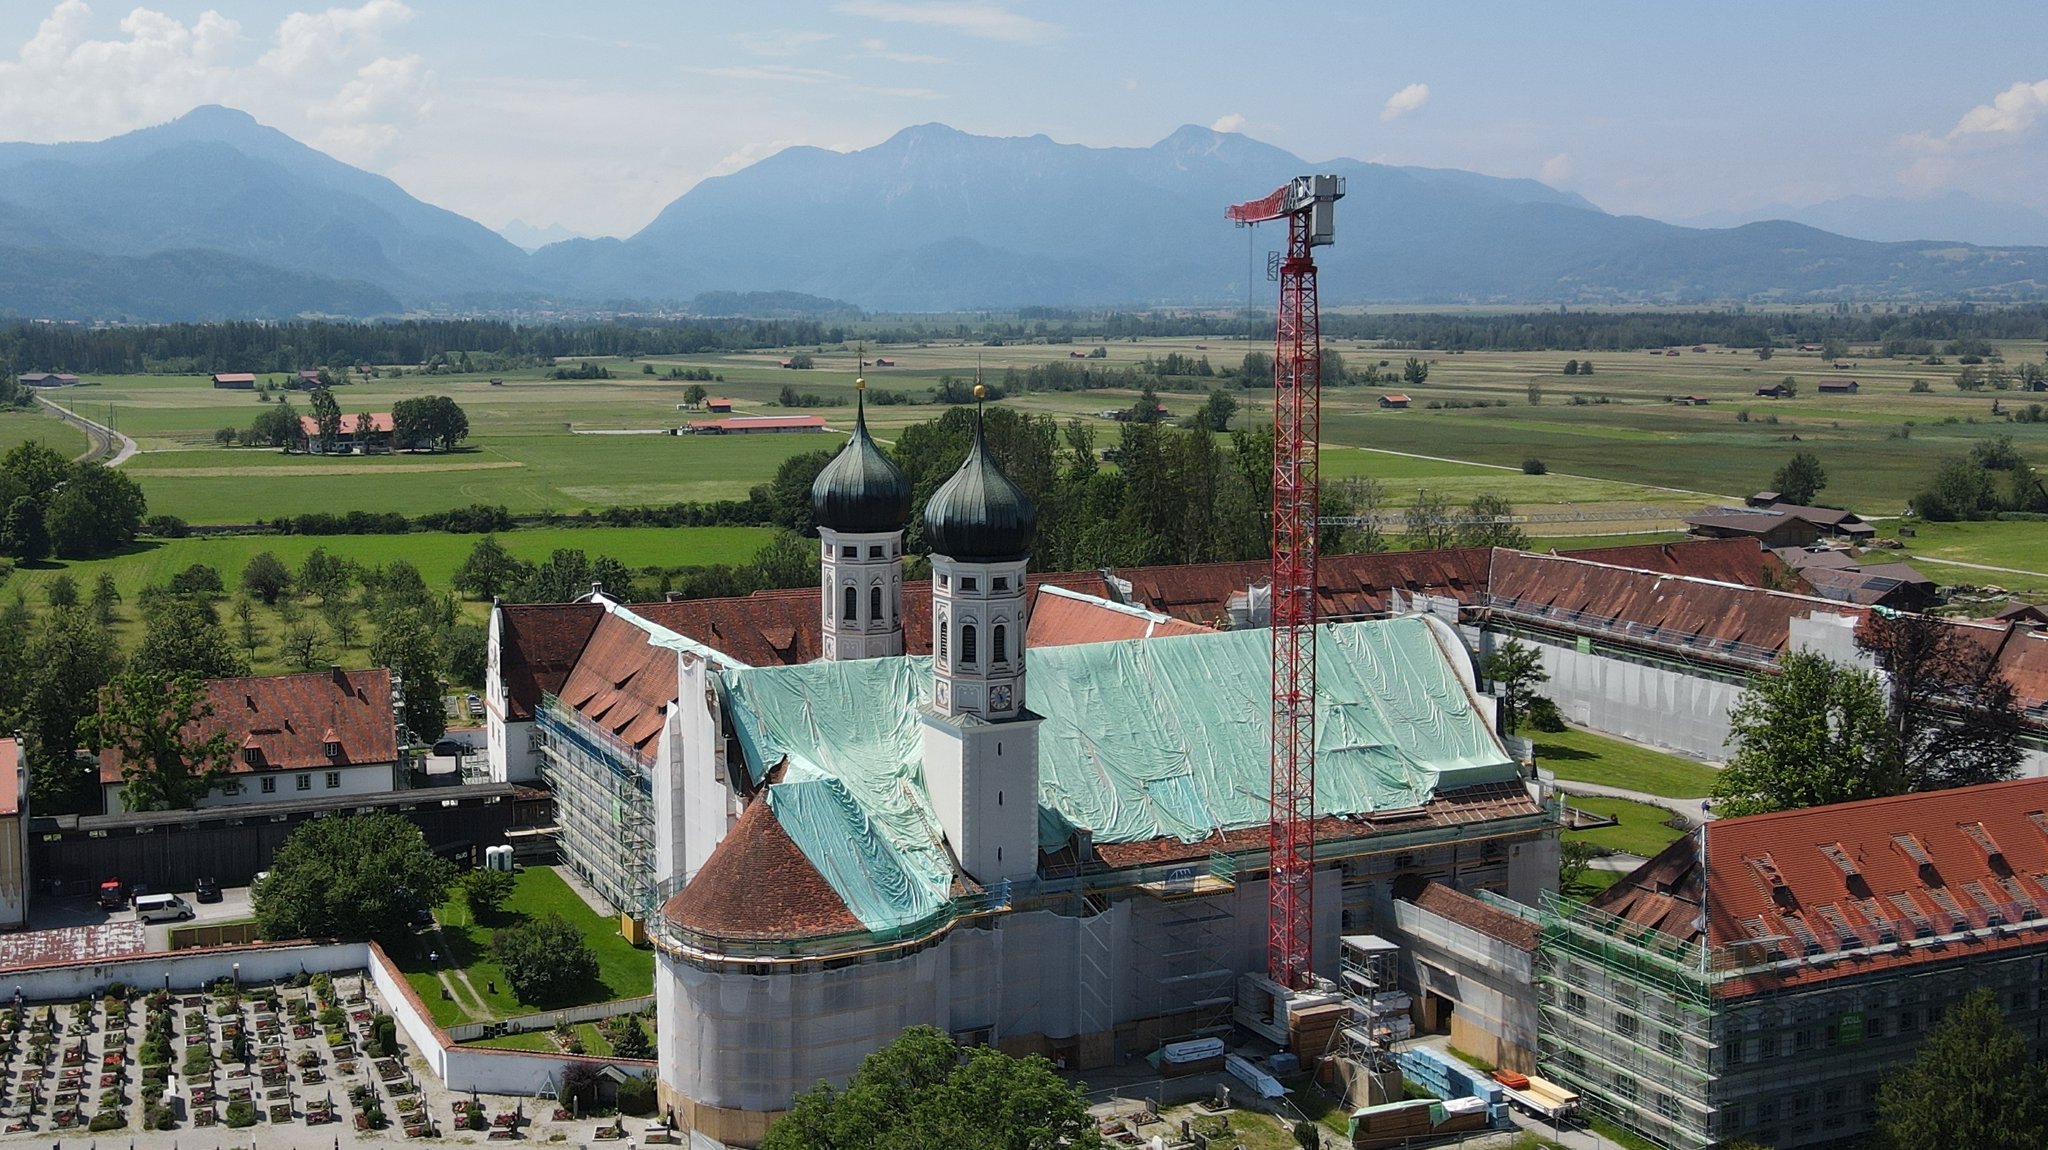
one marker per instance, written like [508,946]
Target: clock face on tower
[999,697]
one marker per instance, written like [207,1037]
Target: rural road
[102,441]
[1980,566]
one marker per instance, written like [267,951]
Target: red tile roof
[539,645]
[1697,616]
[1348,586]
[761,423]
[379,421]
[1847,889]
[10,782]
[1737,560]
[758,885]
[289,719]
[623,683]
[1061,618]
[1466,911]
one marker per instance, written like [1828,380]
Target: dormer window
[333,749]
[253,756]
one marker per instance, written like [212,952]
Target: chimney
[340,676]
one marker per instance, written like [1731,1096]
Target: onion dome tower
[861,502]
[979,525]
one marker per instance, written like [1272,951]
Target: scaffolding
[1197,921]
[604,805]
[1369,972]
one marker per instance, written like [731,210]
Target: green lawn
[624,971]
[1584,757]
[1639,828]
[2018,544]
[594,1042]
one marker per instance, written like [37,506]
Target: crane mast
[1308,204]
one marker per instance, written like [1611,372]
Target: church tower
[980,740]
[861,502]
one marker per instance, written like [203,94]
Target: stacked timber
[1311,1029]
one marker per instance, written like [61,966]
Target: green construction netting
[1141,739]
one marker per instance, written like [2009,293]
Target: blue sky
[593,115]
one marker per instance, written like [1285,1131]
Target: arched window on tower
[852,604]
[943,628]
[999,649]
[967,644]
[875,604]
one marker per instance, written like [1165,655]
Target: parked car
[163,908]
[206,890]
[452,747]
[113,894]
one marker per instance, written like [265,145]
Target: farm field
[2017,545]
[1604,459]
[19,427]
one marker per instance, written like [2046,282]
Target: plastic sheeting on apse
[1141,740]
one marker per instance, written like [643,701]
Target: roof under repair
[1141,740]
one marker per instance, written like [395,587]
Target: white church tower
[980,740]
[861,502]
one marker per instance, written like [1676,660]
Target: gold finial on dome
[980,392]
[859,384]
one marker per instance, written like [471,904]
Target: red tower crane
[1308,204]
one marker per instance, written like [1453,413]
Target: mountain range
[214,215]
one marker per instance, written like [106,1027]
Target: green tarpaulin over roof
[1142,739]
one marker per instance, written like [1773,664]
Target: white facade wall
[694,804]
[321,782]
[514,753]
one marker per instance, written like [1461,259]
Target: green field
[436,555]
[18,427]
[1584,757]
[624,971]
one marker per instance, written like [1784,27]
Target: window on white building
[967,644]
[875,604]
[999,646]
[333,779]
[305,782]
[849,605]
[269,786]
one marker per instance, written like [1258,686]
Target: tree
[1573,857]
[303,646]
[485,891]
[62,591]
[184,637]
[1146,409]
[246,627]
[69,659]
[923,1090]
[1763,351]
[428,418]
[1490,522]
[1429,524]
[1814,733]
[1516,669]
[1256,370]
[564,578]
[266,577]
[104,595]
[406,642]
[789,493]
[1973,1083]
[98,512]
[1571,367]
[1535,391]
[1961,490]
[350,876]
[344,624]
[465,654]
[490,570]
[545,959]
[326,417]
[694,395]
[275,426]
[1308,1135]
[1414,373]
[628,1039]
[23,534]
[1800,479]
[1217,413]
[164,767]
[786,560]
[324,575]
[1954,719]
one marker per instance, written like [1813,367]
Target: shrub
[1543,715]
[636,1095]
[1533,466]
[240,1115]
[475,1120]
[544,958]
[486,891]
[106,1120]
[1920,387]
[160,1118]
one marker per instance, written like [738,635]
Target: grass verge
[1584,757]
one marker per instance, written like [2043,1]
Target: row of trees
[52,506]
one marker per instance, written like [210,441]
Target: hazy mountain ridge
[931,219]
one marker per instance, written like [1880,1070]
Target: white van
[162,908]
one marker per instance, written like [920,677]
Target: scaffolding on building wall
[1198,935]
[604,805]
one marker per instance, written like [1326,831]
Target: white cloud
[2010,112]
[1405,101]
[767,73]
[780,43]
[982,21]
[324,75]
[1556,169]
[880,50]
[1230,123]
